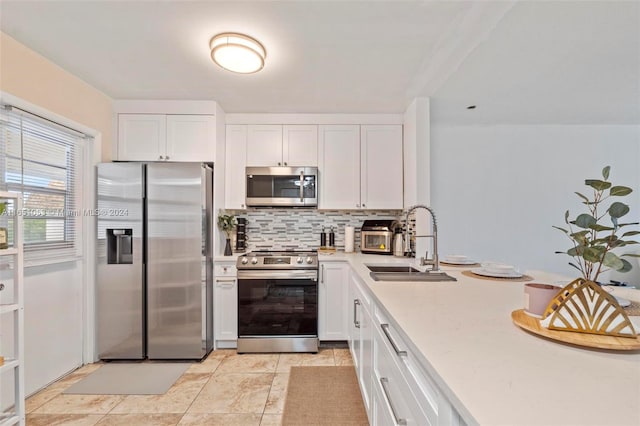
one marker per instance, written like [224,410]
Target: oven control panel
[278,260]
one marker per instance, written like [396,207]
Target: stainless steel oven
[278,302]
[282,186]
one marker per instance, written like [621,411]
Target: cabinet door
[300,145]
[366,356]
[226,309]
[381,414]
[339,167]
[381,162]
[141,137]
[355,308]
[191,138]
[235,164]
[333,299]
[361,338]
[264,145]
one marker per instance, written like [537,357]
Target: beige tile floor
[224,389]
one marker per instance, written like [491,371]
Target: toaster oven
[376,236]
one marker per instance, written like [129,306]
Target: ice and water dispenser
[120,246]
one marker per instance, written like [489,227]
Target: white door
[264,145]
[339,167]
[141,137]
[235,164]
[300,145]
[381,163]
[333,301]
[191,138]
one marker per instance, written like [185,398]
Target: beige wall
[33,78]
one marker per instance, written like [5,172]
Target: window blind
[43,161]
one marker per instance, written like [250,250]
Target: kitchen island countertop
[492,371]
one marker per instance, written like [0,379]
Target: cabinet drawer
[422,387]
[225,270]
[397,397]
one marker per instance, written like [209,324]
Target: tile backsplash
[279,229]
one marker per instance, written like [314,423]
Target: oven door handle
[301,186]
[275,274]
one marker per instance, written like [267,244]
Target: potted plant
[227,223]
[594,241]
[583,306]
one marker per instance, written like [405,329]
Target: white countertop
[493,372]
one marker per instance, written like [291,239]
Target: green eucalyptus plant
[227,223]
[593,242]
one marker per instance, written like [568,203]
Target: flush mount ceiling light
[237,52]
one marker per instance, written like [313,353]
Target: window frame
[70,246]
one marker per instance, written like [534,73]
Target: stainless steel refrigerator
[155,270]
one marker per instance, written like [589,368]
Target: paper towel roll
[349,239]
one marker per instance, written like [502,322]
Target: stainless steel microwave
[282,186]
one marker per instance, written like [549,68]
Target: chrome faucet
[424,261]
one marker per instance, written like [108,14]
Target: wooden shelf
[8,421]
[9,364]
[9,308]
[9,195]
[16,417]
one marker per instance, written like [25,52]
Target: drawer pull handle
[356,323]
[385,329]
[383,382]
[225,283]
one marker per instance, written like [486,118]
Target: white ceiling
[535,62]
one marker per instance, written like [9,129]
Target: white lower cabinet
[332,301]
[361,338]
[395,387]
[397,396]
[225,296]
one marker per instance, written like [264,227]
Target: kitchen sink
[392,268]
[405,273]
[412,276]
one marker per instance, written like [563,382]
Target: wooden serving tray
[529,323]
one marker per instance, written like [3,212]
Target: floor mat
[130,379]
[324,396]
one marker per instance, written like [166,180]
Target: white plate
[459,262]
[481,271]
[621,301]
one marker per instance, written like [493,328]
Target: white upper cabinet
[273,145]
[300,145]
[162,137]
[361,167]
[141,137]
[190,137]
[235,164]
[339,167]
[381,167]
[264,145]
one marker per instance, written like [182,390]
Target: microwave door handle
[301,187]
